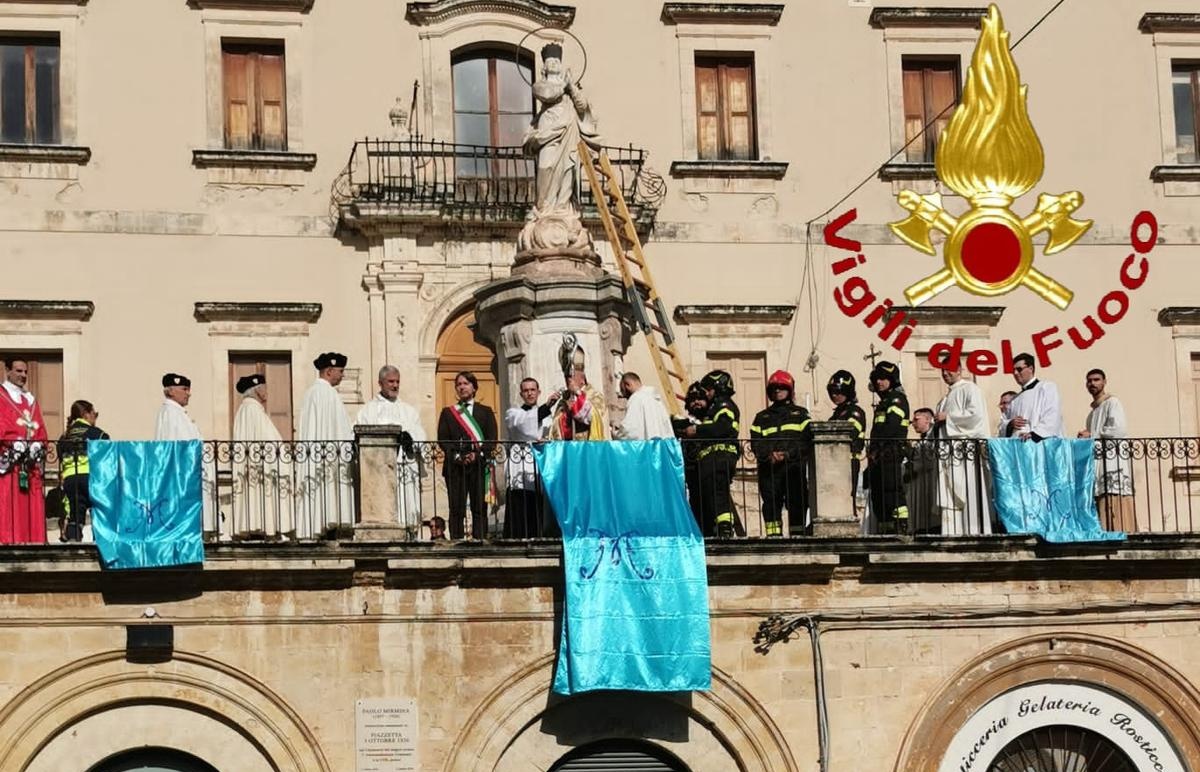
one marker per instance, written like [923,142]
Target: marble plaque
[385,735]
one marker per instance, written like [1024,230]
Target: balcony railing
[310,491]
[423,178]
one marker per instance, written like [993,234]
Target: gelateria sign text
[990,155]
[1022,710]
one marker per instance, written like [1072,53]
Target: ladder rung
[658,329]
[677,376]
[634,260]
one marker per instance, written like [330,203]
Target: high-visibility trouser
[781,484]
[888,504]
[715,476]
[77,501]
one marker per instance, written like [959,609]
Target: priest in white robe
[961,427]
[1106,425]
[646,416]
[1036,411]
[263,500]
[525,512]
[387,409]
[323,461]
[174,423]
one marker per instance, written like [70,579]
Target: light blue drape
[636,609]
[1045,488]
[146,503]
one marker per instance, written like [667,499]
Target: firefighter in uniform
[885,456]
[781,439]
[717,456]
[696,404]
[846,408]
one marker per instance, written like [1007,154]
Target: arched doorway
[1061,748]
[152,760]
[619,756]
[457,350]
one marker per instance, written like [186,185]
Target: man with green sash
[466,434]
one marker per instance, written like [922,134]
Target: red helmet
[781,378]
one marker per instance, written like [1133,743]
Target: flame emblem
[990,155]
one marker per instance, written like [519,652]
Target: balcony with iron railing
[430,181]
[373,488]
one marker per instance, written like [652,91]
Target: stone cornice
[1176,316]
[767,14]
[907,171]
[258,312]
[253,159]
[885,17]
[1169,22]
[730,314]
[303,6]
[1176,173]
[962,316]
[772,170]
[424,14]
[50,154]
[66,310]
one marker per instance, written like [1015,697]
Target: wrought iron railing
[301,491]
[476,182]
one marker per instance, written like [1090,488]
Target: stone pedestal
[523,318]
[833,505]
[378,448]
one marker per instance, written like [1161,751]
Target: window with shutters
[725,122]
[254,89]
[931,90]
[29,90]
[277,367]
[1185,97]
[749,371]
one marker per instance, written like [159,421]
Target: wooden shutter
[46,384]
[941,91]
[930,386]
[708,115]
[914,113]
[737,91]
[1196,391]
[272,110]
[239,115]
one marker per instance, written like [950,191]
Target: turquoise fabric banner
[636,609]
[146,503]
[1045,488]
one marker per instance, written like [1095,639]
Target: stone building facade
[221,185]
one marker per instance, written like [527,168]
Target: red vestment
[22,512]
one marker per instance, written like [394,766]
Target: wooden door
[46,385]
[749,371]
[277,366]
[457,351]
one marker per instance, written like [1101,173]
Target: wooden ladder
[648,309]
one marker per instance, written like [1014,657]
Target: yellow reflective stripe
[725,517]
[793,427]
[856,424]
[768,431]
[774,528]
[904,422]
[756,429]
[726,411]
[714,448]
[880,418]
[896,410]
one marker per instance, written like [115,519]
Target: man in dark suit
[467,433]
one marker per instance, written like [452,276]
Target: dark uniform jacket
[781,426]
[891,416]
[852,412]
[719,429]
[72,447]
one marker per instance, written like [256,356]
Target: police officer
[889,429]
[781,439]
[846,408]
[718,454]
[696,403]
[73,468]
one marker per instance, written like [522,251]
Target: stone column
[378,447]
[833,506]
